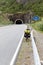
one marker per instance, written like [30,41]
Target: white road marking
[41,61]
[15,55]
[35,51]
[17,50]
[10,43]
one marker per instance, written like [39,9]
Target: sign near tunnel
[36,18]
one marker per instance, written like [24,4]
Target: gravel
[26,54]
[39,43]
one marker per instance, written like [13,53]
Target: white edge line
[41,61]
[35,51]
[17,50]
[15,55]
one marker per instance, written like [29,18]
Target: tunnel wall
[20,21]
[24,17]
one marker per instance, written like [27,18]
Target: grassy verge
[38,25]
[4,21]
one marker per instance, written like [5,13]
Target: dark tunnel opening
[19,22]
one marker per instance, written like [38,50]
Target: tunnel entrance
[19,21]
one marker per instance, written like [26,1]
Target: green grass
[38,25]
[4,20]
[11,6]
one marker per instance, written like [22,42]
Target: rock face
[18,1]
[25,1]
[20,16]
[22,1]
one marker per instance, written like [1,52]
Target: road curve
[10,37]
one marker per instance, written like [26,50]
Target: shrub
[40,26]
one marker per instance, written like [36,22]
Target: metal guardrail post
[35,52]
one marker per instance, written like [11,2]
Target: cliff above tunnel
[24,17]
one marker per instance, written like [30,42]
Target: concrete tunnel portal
[19,18]
[19,21]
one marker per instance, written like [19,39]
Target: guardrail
[35,52]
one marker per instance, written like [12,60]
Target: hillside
[12,6]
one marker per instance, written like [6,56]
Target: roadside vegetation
[38,25]
[4,21]
[11,6]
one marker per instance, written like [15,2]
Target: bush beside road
[38,25]
[4,20]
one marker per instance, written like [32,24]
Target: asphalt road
[9,40]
